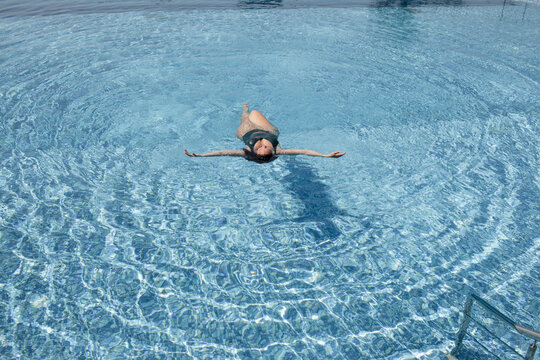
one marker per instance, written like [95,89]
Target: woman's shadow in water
[305,185]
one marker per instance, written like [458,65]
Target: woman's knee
[256,116]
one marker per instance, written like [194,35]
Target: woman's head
[264,150]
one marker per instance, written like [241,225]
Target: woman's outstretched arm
[218,153]
[280,151]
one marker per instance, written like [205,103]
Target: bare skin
[263,148]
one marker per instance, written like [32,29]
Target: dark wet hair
[261,159]
[266,158]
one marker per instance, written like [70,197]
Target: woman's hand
[190,154]
[335,154]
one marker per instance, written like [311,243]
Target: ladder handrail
[487,306]
[530,333]
[522,330]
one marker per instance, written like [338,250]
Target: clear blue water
[115,245]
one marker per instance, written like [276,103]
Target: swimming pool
[114,244]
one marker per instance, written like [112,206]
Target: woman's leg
[245,124]
[259,120]
[252,121]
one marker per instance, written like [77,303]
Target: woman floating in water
[261,139]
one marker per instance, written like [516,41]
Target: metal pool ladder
[526,332]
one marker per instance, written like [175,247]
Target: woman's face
[263,148]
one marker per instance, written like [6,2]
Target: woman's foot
[245,106]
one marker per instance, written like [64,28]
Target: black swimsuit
[251,137]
